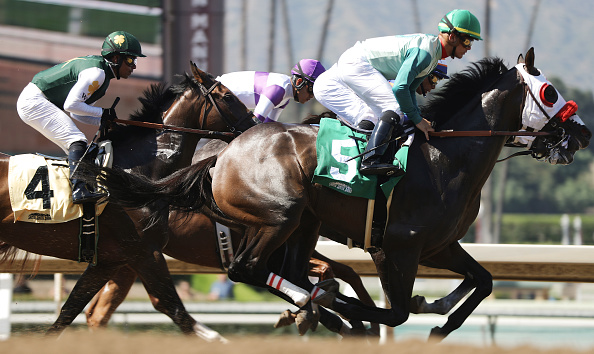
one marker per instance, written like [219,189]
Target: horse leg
[155,277]
[86,287]
[251,265]
[419,304]
[347,274]
[397,271]
[109,298]
[456,259]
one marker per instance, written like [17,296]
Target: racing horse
[434,204]
[192,238]
[198,102]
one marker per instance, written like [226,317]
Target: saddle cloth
[336,143]
[40,191]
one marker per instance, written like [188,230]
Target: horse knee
[484,285]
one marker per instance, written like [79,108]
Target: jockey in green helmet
[462,24]
[68,91]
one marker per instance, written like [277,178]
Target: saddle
[40,192]
[336,144]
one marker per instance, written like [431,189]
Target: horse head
[227,112]
[546,110]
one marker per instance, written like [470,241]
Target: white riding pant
[37,111]
[354,90]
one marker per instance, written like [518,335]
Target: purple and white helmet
[308,69]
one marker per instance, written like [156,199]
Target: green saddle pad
[337,143]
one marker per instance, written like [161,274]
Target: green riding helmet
[462,21]
[121,42]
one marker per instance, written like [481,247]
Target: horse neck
[175,149]
[157,154]
[498,108]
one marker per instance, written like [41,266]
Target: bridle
[207,93]
[233,126]
[523,130]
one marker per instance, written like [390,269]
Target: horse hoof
[436,335]
[330,285]
[304,321]
[325,299]
[287,318]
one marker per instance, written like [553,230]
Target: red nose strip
[567,111]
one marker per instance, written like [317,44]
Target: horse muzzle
[579,133]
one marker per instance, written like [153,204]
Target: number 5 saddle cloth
[335,145]
[40,190]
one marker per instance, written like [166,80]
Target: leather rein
[234,131]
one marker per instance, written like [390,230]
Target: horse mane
[461,87]
[315,118]
[155,100]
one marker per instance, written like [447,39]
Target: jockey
[267,94]
[430,82]
[69,90]
[356,88]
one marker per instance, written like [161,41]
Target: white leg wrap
[315,292]
[204,332]
[299,296]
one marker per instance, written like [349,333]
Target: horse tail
[9,253]
[182,190]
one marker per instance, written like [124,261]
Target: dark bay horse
[434,204]
[197,103]
[192,239]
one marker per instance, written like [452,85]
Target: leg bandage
[299,295]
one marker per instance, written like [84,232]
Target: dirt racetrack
[75,342]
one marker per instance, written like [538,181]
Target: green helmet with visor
[462,22]
[121,42]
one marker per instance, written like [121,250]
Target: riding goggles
[434,79]
[466,41]
[131,61]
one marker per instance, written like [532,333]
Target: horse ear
[196,72]
[530,57]
[530,61]
[521,59]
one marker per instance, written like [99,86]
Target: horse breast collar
[537,111]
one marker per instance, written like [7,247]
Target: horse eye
[548,95]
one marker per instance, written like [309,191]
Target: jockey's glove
[108,116]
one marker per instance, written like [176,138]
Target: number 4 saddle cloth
[335,145]
[40,190]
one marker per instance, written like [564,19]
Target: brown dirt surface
[75,342]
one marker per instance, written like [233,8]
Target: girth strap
[89,235]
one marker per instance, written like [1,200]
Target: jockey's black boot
[372,164]
[80,191]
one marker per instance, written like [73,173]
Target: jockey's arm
[88,81]
[270,97]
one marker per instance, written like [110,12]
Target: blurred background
[272,35]
[524,201]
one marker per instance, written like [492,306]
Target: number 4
[41,176]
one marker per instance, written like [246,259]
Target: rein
[204,133]
[453,133]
